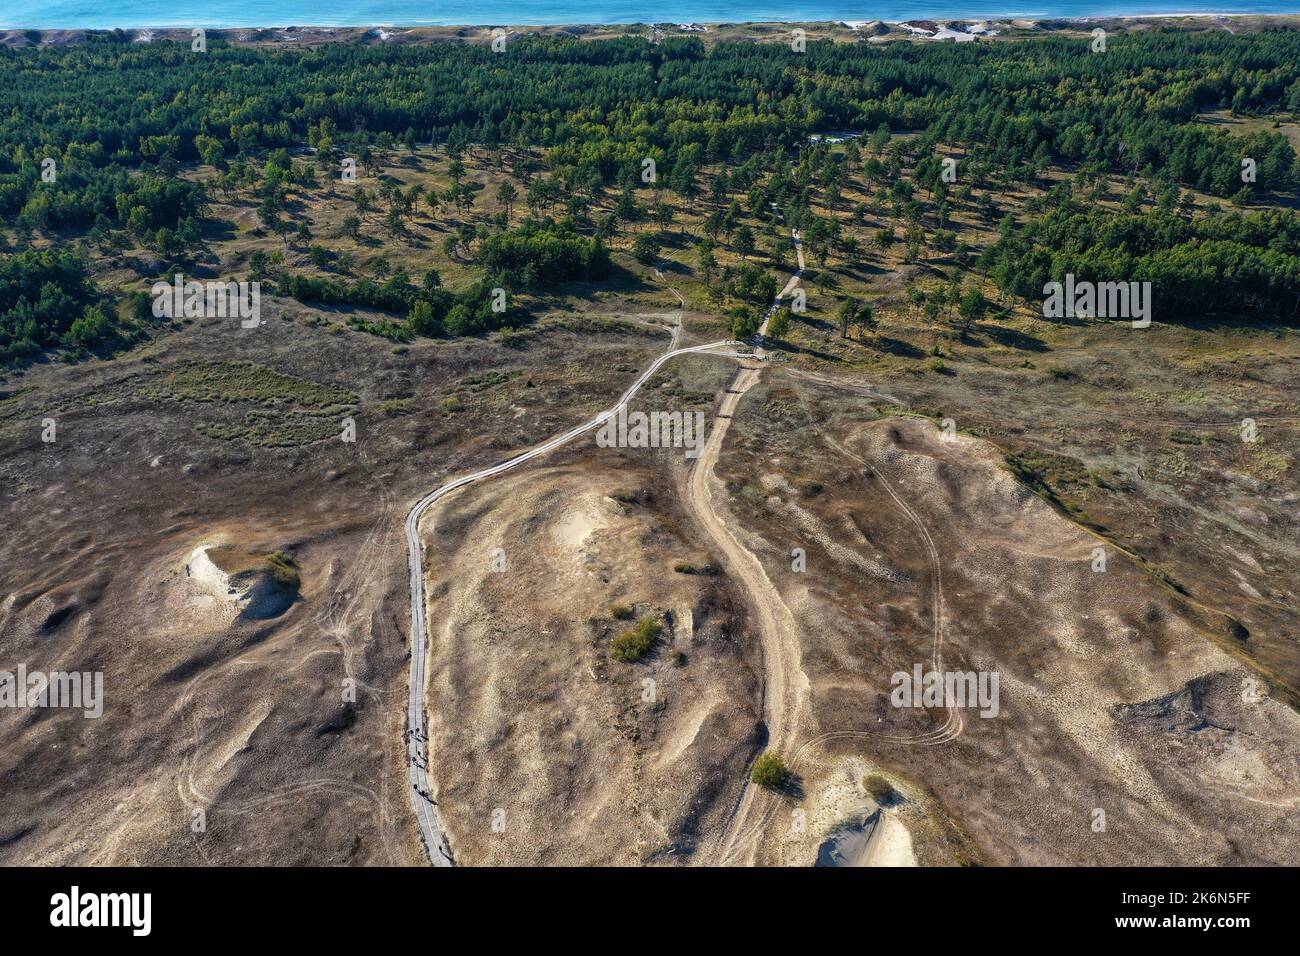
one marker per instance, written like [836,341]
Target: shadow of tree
[898,347]
[1014,338]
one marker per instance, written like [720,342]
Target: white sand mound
[209,577]
[890,844]
[252,592]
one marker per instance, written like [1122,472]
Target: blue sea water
[98,14]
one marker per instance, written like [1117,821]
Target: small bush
[631,646]
[283,568]
[810,489]
[880,789]
[769,771]
[621,611]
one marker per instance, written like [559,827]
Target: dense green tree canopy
[116,121]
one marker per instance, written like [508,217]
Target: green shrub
[683,567]
[778,327]
[631,646]
[622,612]
[769,771]
[645,249]
[284,569]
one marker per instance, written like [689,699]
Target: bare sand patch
[580,758]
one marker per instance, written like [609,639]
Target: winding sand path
[784,684]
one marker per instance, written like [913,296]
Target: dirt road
[784,683]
